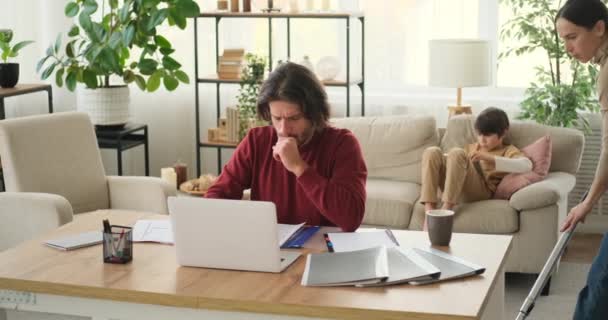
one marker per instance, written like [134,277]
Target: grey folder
[76,241]
[346,268]
[406,265]
[451,267]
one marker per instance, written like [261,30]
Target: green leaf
[147,66]
[127,36]
[41,63]
[48,71]
[70,80]
[115,39]
[150,3]
[90,6]
[170,64]
[166,51]
[154,81]
[187,8]
[74,31]
[170,83]
[71,9]
[162,42]
[69,49]
[89,78]
[180,20]
[57,44]
[85,22]
[123,14]
[20,45]
[113,4]
[141,82]
[128,76]
[182,76]
[59,77]
[156,18]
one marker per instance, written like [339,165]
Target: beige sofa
[393,146]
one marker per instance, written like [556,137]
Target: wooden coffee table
[153,286]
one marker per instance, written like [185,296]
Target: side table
[123,138]
[18,90]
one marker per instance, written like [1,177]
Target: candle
[325,5]
[270,4]
[181,170]
[246,5]
[222,5]
[168,175]
[293,6]
[310,5]
[234,5]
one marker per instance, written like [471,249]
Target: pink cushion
[539,152]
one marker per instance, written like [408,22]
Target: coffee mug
[439,225]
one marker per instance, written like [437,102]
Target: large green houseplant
[556,97]
[117,38]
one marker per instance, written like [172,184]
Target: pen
[330,246]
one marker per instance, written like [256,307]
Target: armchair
[58,154]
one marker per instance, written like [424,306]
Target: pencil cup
[118,245]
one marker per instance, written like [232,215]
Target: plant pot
[9,75]
[105,106]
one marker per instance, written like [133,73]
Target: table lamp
[459,63]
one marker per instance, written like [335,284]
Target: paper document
[76,241]
[351,241]
[153,231]
[286,231]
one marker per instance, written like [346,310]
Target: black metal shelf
[346,83]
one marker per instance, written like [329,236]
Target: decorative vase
[105,106]
[328,68]
[307,63]
[9,75]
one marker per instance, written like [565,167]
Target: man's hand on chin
[286,151]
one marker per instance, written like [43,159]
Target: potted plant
[9,72]
[251,80]
[123,41]
[554,98]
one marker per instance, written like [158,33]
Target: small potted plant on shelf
[9,72]
[124,41]
[251,80]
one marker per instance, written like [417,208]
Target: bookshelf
[349,81]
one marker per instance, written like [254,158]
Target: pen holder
[118,245]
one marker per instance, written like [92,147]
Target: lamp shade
[457,63]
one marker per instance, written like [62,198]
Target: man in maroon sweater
[312,172]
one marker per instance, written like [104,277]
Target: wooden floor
[582,248]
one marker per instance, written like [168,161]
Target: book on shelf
[231,61]
[229,75]
[230,68]
[235,52]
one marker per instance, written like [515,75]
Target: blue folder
[298,239]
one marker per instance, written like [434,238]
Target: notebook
[451,267]
[406,265]
[346,268]
[76,241]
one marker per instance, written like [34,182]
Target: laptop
[227,234]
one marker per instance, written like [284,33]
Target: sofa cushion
[488,217]
[567,146]
[539,153]
[389,203]
[392,146]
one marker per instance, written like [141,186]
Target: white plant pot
[105,106]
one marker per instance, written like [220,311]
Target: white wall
[170,115]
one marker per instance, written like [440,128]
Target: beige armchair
[58,154]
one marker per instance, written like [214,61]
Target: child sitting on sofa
[472,173]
